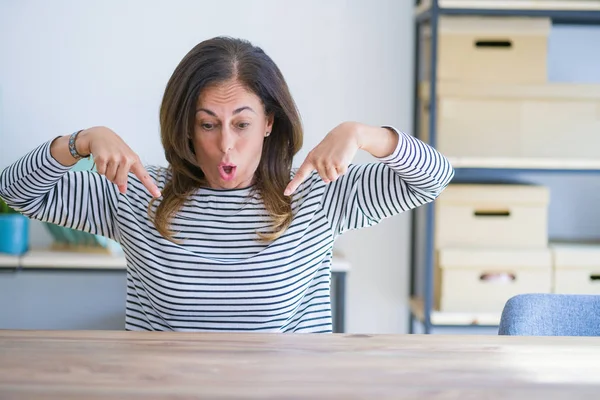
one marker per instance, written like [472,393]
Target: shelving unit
[423,317]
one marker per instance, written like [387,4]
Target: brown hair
[212,62]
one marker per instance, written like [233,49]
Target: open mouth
[227,171]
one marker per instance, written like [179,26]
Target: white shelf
[454,318]
[50,259]
[552,5]
[65,259]
[339,264]
[523,163]
[9,261]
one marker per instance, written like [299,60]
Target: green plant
[5,209]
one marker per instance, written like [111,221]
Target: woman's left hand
[334,154]
[331,157]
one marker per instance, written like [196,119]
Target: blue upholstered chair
[551,315]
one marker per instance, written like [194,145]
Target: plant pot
[14,234]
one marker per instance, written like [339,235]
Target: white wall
[66,65]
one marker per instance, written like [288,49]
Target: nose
[227,139]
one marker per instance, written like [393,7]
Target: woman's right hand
[114,158]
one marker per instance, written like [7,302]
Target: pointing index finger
[139,171]
[303,172]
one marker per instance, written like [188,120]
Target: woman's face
[229,132]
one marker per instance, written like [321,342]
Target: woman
[227,238]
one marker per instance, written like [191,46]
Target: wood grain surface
[154,365]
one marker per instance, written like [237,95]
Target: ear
[270,120]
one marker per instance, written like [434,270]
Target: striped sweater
[220,277]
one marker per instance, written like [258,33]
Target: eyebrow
[236,111]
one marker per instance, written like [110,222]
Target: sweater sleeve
[41,188]
[413,175]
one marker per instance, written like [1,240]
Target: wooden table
[152,365]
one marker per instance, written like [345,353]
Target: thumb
[303,172]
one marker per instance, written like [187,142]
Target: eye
[207,126]
[243,125]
